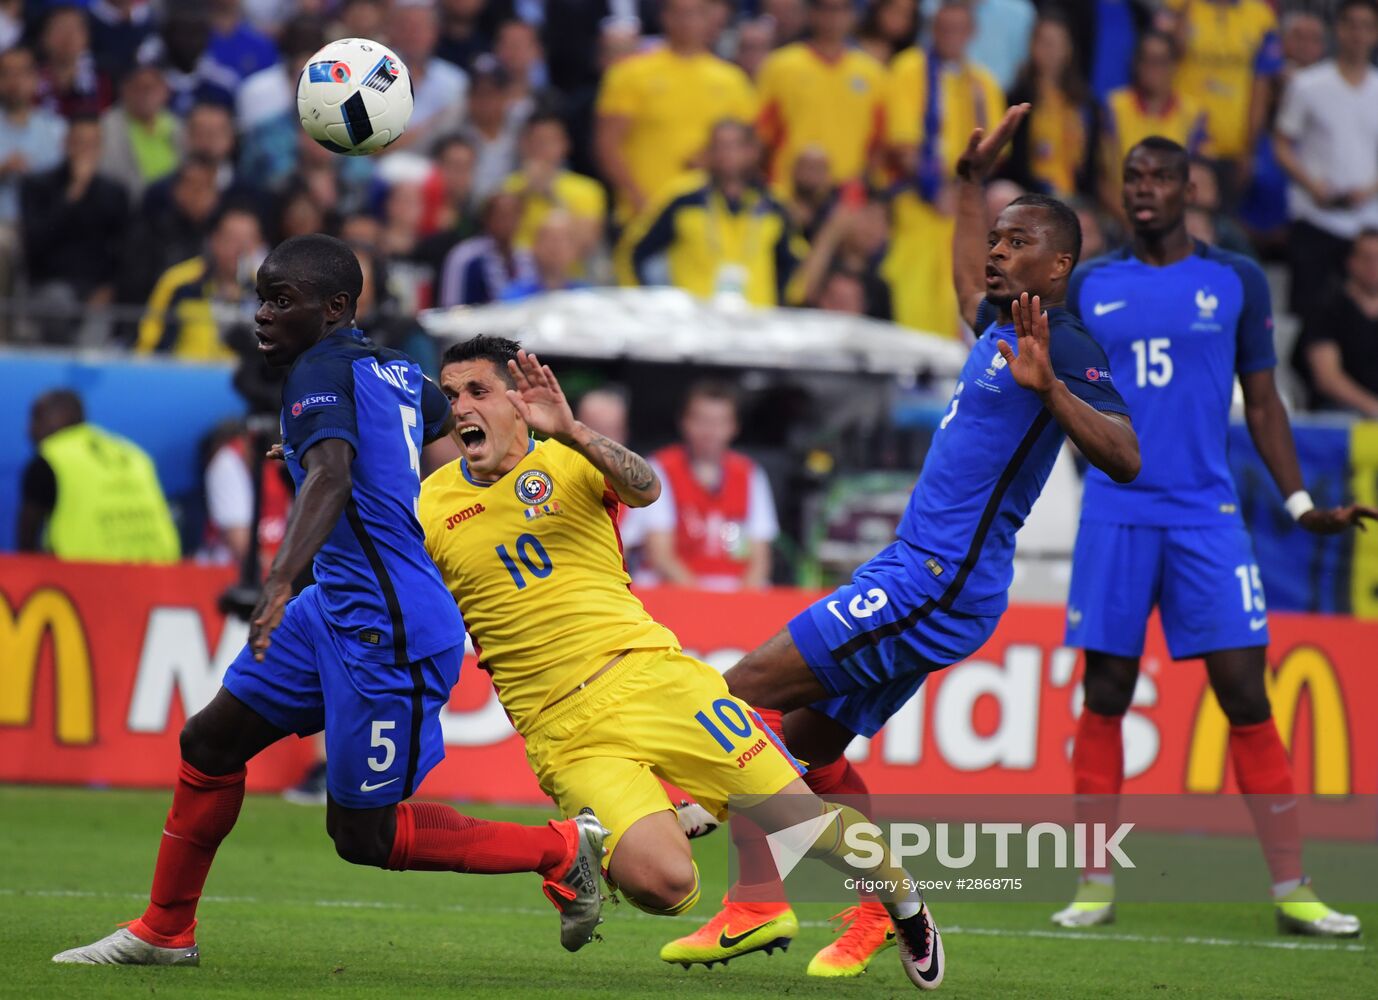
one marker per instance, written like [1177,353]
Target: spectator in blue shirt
[118,28]
[235,43]
[181,50]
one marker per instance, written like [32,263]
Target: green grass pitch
[283,917]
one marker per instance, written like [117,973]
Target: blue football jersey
[988,462]
[379,588]
[1176,336]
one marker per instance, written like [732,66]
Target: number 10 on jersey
[531,557]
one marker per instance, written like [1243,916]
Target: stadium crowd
[790,152]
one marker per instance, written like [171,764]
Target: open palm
[538,396]
[1032,367]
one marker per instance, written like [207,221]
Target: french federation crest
[534,487]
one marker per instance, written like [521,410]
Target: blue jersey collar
[464,466]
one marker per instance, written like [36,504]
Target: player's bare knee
[1109,684]
[358,845]
[670,888]
[1245,707]
[202,750]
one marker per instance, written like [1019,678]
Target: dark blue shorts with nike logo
[872,641]
[381,720]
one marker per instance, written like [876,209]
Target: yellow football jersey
[535,564]
[578,195]
[969,97]
[918,266]
[672,102]
[807,100]
[1228,44]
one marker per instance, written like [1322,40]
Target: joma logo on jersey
[460,517]
[756,748]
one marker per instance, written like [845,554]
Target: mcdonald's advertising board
[100,665]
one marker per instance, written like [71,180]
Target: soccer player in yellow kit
[525,536]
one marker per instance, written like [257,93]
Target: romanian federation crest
[534,487]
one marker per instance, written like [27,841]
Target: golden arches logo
[47,612]
[1305,669]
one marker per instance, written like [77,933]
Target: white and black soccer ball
[354,97]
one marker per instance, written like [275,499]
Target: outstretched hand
[1333,520]
[983,151]
[538,397]
[1032,367]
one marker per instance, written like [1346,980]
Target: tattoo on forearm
[626,465]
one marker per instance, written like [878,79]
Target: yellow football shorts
[657,714]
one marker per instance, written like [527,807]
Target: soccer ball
[354,97]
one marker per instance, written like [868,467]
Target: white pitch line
[955,930]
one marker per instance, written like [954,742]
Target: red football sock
[1097,770]
[840,778]
[436,838]
[1264,775]
[203,811]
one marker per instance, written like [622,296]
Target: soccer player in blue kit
[933,597]
[1179,320]
[368,653]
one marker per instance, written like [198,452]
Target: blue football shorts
[872,641]
[381,720]
[1204,581]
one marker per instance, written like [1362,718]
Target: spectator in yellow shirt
[655,110]
[544,184]
[724,236]
[822,93]
[1230,51]
[935,98]
[196,304]
[1152,104]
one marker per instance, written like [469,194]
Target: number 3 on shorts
[379,740]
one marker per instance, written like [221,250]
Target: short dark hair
[1344,5]
[748,133]
[1154,35]
[65,403]
[1065,225]
[484,347]
[543,117]
[1162,144]
[199,161]
[322,261]
[450,139]
[711,388]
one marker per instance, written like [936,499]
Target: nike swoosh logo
[1257,623]
[934,970]
[1277,808]
[832,606]
[726,940]
[1101,308]
[366,787]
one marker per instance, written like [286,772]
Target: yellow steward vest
[110,507]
